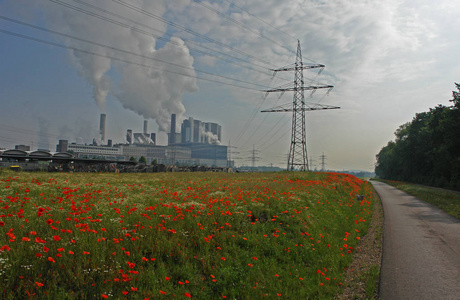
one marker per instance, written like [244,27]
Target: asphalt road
[421,249]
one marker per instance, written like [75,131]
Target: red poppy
[39,240]
[187,295]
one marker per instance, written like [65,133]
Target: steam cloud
[152,92]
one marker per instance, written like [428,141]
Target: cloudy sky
[64,62]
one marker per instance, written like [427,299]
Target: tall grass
[187,235]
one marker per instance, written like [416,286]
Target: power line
[148,33]
[144,12]
[248,122]
[121,50]
[123,60]
[242,25]
[160,37]
[261,20]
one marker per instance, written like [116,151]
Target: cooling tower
[102,127]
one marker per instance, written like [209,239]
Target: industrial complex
[197,144]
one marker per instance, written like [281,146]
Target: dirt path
[421,249]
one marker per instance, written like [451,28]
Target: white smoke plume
[152,92]
[210,137]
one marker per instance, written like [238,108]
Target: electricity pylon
[297,158]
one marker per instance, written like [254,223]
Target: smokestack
[102,127]
[145,127]
[129,136]
[153,137]
[172,134]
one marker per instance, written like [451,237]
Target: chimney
[129,136]
[172,134]
[102,127]
[145,127]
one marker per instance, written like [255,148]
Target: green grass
[164,235]
[448,201]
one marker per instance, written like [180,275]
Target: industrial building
[195,131]
[198,143]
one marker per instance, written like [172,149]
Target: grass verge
[448,201]
[363,275]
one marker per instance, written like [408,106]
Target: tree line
[427,149]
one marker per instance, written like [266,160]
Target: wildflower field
[178,235]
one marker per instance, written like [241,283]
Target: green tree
[132,158]
[427,149]
[143,160]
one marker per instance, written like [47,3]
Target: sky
[64,62]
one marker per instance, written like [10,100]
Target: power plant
[198,143]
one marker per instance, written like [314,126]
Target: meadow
[179,235]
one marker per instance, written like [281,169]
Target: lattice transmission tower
[298,159]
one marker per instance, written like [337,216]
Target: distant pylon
[323,163]
[298,158]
